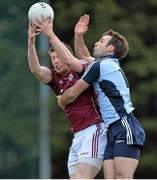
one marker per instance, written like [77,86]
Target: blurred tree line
[19,90]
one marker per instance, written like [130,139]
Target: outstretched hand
[44,26]
[32,33]
[82,25]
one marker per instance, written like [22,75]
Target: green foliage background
[19,104]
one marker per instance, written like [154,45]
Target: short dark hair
[51,49]
[119,42]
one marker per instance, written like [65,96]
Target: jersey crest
[70,77]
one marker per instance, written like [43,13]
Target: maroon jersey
[84,111]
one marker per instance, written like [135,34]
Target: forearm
[72,93]
[40,72]
[81,50]
[67,98]
[60,48]
[64,53]
[33,59]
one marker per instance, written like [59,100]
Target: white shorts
[88,146]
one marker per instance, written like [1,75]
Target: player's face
[58,64]
[101,49]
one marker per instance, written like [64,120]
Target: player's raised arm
[62,51]
[40,72]
[81,50]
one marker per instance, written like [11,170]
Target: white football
[39,9]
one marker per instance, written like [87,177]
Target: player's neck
[66,72]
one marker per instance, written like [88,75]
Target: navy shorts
[125,138]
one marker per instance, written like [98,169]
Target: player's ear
[110,48]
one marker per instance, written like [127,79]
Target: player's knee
[85,174]
[82,175]
[109,175]
[124,175]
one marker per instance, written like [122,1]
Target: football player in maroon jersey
[88,145]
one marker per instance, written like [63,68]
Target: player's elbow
[36,72]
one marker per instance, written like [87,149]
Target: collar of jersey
[110,57]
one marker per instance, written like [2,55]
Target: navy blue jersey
[111,87]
